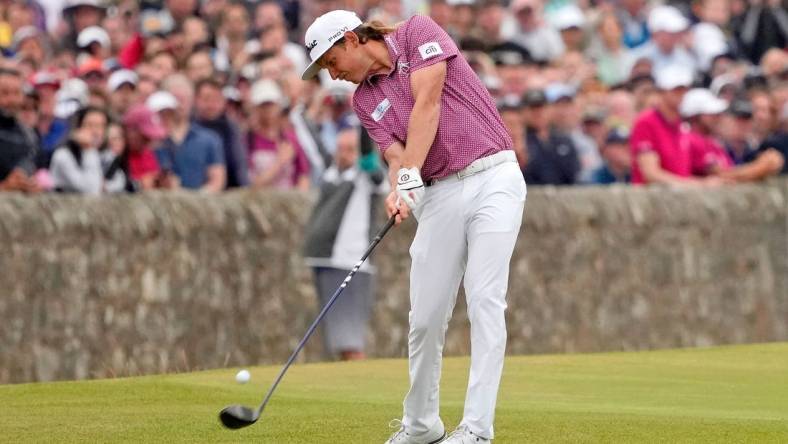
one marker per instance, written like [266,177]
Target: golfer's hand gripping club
[410,187]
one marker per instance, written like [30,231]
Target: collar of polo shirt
[323,33]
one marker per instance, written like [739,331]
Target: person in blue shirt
[190,153]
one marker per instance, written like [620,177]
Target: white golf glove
[410,188]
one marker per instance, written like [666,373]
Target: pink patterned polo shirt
[469,126]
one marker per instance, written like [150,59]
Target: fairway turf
[736,394]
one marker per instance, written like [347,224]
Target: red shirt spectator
[667,138]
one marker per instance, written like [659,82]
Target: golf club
[238,416]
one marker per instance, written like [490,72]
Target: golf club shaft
[325,309]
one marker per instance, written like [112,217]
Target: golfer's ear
[351,37]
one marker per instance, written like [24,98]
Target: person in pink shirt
[660,147]
[276,159]
[702,110]
[452,166]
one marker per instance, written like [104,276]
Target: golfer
[453,168]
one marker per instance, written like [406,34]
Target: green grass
[735,394]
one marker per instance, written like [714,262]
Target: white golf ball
[243,376]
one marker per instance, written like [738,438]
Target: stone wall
[132,285]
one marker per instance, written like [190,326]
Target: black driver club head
[238,416]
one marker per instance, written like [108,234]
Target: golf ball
[243,376]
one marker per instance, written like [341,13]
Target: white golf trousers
[466,226]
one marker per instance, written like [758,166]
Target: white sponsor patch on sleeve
[380,110]
[429,50]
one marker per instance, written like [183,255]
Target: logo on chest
[429,50]
[380,110]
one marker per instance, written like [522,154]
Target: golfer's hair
[372,30]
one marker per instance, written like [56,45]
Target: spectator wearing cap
[541,40]
[617,159]
[142,130]
[93,72]
[82,14]
[514,66]
[660,152]
[94,41]
[667,26]
[194,154]
[567,122]
[570,21]
[30,45]
[210,108]
[606,49]
[552,157]
[275,157]
[122,88]
[702,110]
[18,153]
[51,129]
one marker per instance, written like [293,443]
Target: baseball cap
[122,77]
[141,118]
[534,97]
[673,76]
[72,4]
[266,91]
[567,17]
[161,100]
[509,103]
[323,33]
[510,54]
[555,92]
[44,78]
[22,34]
[93,34]
[667,19]
[91,65]
[699,101]
[617,135]
[741,108]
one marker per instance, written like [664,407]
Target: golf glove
[410,188]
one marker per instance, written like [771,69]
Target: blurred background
[192,98]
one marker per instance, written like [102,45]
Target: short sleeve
[427,43]
[642,140]
[215,151]
[378,133]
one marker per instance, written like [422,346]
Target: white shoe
[463,435]
[401,436]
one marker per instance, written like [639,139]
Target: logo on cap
[311,45]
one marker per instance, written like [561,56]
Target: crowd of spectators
[121,96]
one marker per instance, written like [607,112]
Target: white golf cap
[673,76]
[266,91]
[323,33]
[120,78]
[567,17]
[93,34]
[161,100]
[667,19]
[699,101]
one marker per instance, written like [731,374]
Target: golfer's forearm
[393,157]
[422,127]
